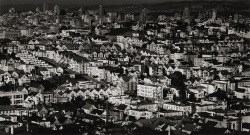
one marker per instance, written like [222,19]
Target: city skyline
[94,2]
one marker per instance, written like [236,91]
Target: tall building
[101,11]
[200,15]
[45,7]
[56,10]
[129,17]
[186,12]
[236,17]
[80,12]
[143,16]
[37,9]
[214,14]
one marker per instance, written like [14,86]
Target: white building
[16,97]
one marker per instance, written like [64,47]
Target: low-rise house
[140,114]
[177,107]
[88,108]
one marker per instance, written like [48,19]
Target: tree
[220,94]
[177,80]
[174,97]
[192,97]
[4,101]
[216,77]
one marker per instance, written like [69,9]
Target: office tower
[236,17]
[143,16]
[214,14]
[200,15]
[207,14]
[37,9]
[80,12]
[45,7]
[101,11]
[129,17]
[56,10]
[186,12]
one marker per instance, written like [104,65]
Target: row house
[111,48]
[35,98]
[155,59]
[8,49]
[242,92]
[176,107]
[224,85]
[158,48]
[14,62]
[199,92]
[100,40]
[68,47]
[121,100]
[128,84]
[15,76]
[170,69]
[202,73]
[170,93]
[96,72]
[194,82]
[67,95]
[76,63]
[148,106]
[141,114]
[11,110]
[40,42]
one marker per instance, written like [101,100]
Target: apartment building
[16,97]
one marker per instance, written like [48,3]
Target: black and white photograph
[124,67]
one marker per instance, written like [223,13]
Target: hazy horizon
[93,2]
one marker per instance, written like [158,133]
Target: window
[17,96]
[17,101]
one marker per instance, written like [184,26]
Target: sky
[85,2]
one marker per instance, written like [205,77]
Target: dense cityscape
[126,69]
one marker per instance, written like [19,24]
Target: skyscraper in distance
[101,11]
[56,10]
[45,7]
[186,12]
[214,14]
[37,9]
[143,16]
[80,12]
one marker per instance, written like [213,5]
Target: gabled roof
[121,107]
[42,69]
[7,108]
[2,72]
[87,106]
[126,78]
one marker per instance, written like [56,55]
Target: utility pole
[239,124]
